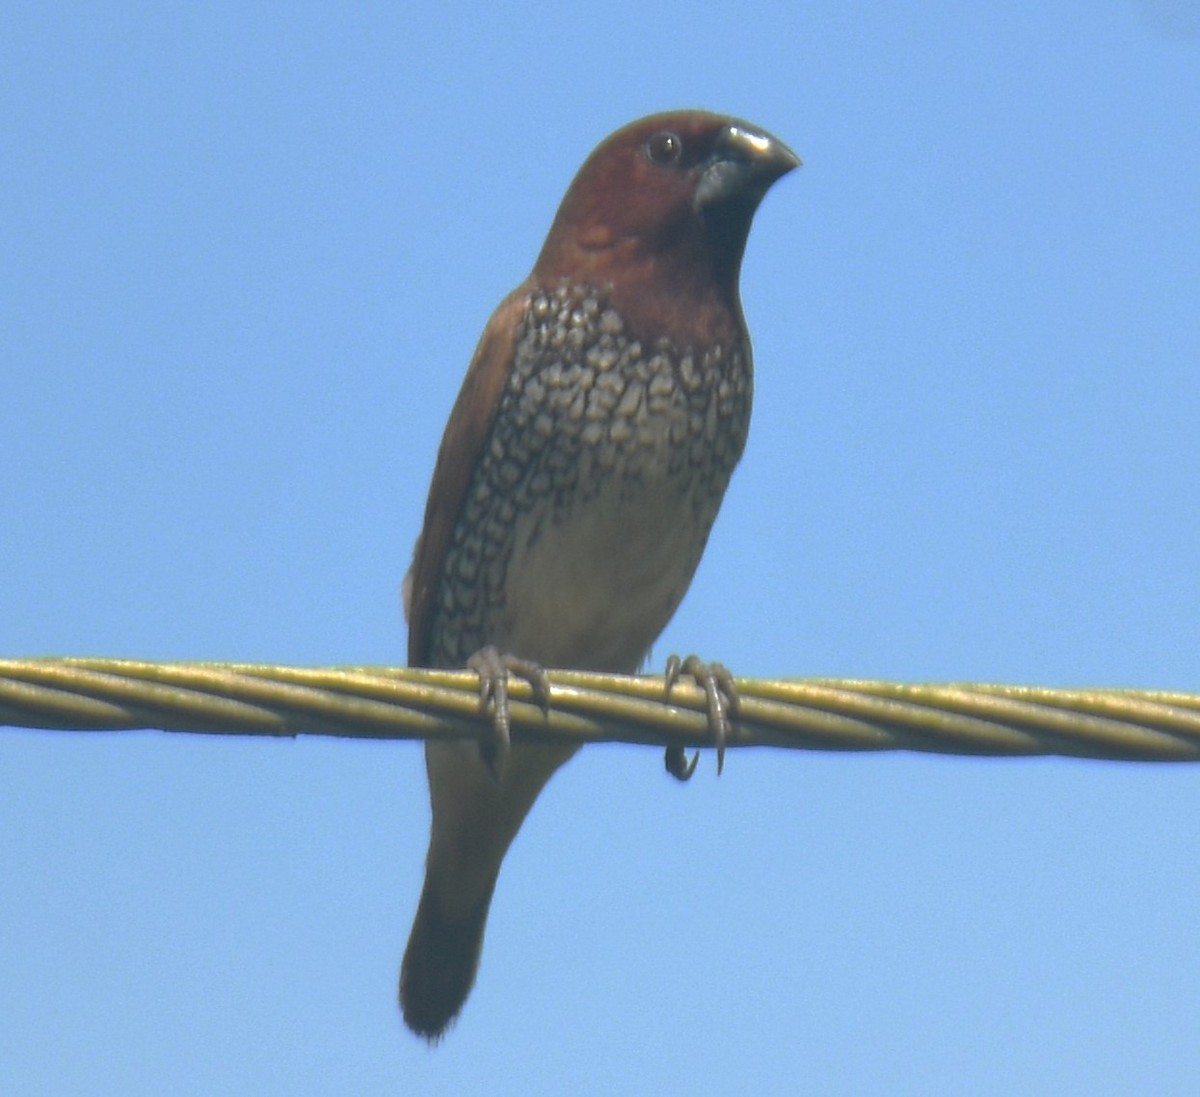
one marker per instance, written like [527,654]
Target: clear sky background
[245,254]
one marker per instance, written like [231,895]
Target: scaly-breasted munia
[580,473]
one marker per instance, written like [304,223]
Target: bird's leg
[721,700]
[493,668]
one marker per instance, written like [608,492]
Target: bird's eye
[664,148]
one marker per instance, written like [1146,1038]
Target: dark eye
[664,148]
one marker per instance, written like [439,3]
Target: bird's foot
[493,668]
[721,699]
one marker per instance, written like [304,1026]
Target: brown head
[661,211]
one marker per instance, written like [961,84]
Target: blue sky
[245,254]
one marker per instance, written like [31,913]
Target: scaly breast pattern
[595,491]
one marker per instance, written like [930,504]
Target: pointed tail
[440,963]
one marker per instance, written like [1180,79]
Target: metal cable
[393,703]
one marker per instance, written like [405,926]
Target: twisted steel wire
[84,694]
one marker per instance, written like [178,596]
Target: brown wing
[458,455]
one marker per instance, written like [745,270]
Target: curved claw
[493,668]
[677,763]
[721,700]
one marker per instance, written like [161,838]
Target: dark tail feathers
[440,964]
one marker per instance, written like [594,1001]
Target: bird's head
[662,208]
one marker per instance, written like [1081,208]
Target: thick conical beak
[744,163]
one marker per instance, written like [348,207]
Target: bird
[578,478]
